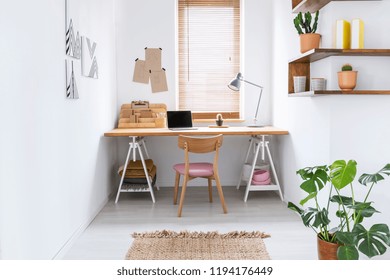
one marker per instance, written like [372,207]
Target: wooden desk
[233,130]
[257,141]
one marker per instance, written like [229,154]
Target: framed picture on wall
[72,36]
[71,80]
[89,65]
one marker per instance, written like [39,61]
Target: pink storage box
[261,177]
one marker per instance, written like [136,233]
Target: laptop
[180,120]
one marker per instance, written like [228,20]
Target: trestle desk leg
[146,173]
[124,171]
[274,170]
[249,183]
[245,160]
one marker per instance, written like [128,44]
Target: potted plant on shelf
[307,31]
[219,120]
[347,78]
[339,222]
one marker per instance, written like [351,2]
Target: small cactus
[346,67]
[219,117]
[303,23]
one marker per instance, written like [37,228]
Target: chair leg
[183,192]
[210,189]
[176,189]
[220,192]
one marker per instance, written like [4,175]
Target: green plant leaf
[295,208]
[306,199]
[315,22]
[307,172]
[342,173]
[384,230]
[307,217]
[314,181]
[297,26]
[342,200]
[366,179]
[359,219]
[346,238]
[374,241]
[347,252]
[315,218]
[341,214]
[321,218]
[365,209]
[308,22]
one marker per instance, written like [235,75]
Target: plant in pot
[337,215]
[307,31]
[219,120]
[347,78]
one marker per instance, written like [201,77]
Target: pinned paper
[153,59]
[158,80]
[141,74]
[343,34]
[357,34]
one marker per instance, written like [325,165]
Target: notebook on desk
[180,120]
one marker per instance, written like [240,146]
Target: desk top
[233,130]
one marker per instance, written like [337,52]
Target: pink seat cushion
[198,169]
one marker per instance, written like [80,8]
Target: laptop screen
[179,119]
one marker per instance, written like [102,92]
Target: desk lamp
[235,85]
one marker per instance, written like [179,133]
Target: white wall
[324,129]
[56,169]
[152,23]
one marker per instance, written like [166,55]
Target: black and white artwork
[89,65]
[72,36]
[71,84]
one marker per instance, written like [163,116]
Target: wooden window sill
[213,121]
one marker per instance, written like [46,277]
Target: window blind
[209,55]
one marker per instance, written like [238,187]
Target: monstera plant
[342,216]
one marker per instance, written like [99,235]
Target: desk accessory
[235,85]
[142,114]
[299,83]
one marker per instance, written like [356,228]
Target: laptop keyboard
[183,128]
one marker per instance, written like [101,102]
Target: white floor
[109,236]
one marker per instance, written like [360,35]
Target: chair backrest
[200,144]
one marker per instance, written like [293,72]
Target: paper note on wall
[357,34]
[153,59]
[141,74]
[343,34]
[158,79]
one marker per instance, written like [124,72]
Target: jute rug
[184,245]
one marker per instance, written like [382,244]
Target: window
[209,57]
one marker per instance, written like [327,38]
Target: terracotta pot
[309,41]
[347,80]
[326,250]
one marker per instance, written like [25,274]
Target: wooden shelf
[300,66]
[337,92]
[314,5]
[318,54]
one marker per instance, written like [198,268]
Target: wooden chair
[199,169]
